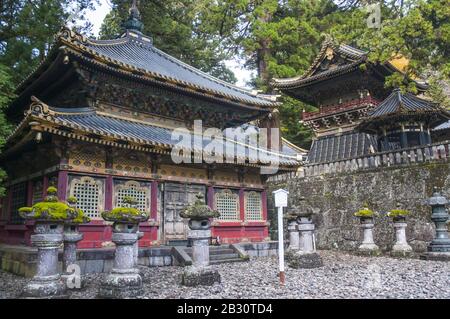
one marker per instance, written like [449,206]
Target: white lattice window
[253,206]
[139,192]
[227,203]
[89,194]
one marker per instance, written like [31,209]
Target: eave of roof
[89,125]
[355,56]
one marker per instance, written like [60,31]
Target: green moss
[398,213]
[364,212]
[48,211]
[53,210]
[198,210]
[52,190]
[125,214]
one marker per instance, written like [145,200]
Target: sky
[96,18]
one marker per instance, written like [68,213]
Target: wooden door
[176,198]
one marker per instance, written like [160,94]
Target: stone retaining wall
[334,198]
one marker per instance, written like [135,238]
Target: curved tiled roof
[354,56]
[144,55]
[399,103]
[340,147]
[94,124]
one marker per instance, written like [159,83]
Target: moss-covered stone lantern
[71,237]
[292,226]
[366,218]
[401,247]
[199,215]
[124,281]
[306,256]
[50,216]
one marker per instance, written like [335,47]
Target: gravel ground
[343,276]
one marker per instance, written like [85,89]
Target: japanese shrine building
[357,115]
[95,119]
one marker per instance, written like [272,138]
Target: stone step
[224,261]
[214,251]
[224,256]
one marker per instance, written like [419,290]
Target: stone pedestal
[368,246]
[294,235]
[71,237]
[47,282]
[306,256]
[124,280]
[136,249]
[401,247]
[200,273]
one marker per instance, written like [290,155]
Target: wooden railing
[330,109]
[403,157]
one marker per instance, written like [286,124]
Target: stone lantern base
[398,253]
[200,276]
[45,288]
[304,260]
[372,250]
[119,285]
[437,256]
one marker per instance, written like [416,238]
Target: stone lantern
[401,247]
[306,256]
[439,248]
[294,236]
[50,216]
[71,237]
[366,218]
[199,216]
[124,280]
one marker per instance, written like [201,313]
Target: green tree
[27,30]
[6,95]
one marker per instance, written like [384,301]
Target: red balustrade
[335,108]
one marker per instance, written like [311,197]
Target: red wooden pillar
[63,180]
[264,205]
[109,190]
[242,211]
[265,212]
[210,197]
[44,186]
[154,200]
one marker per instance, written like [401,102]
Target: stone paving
[342,276]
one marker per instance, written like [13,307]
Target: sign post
[280,202]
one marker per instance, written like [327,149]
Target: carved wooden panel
[87,158]
[227,178]
[131,164]
[183,174]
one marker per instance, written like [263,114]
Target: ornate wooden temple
[96,118]
[356,114]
